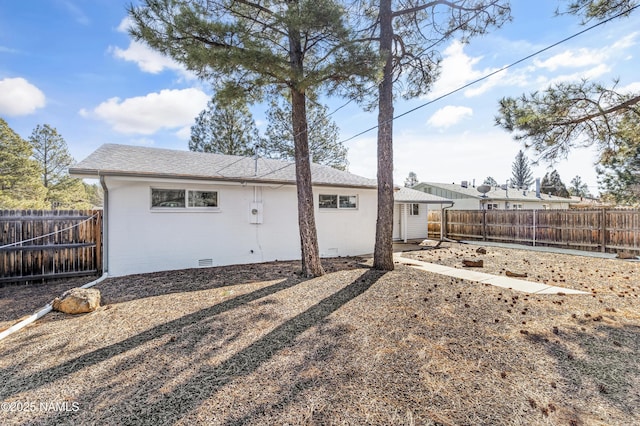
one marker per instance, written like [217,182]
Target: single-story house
[411,210]
[168,209]
[469,197]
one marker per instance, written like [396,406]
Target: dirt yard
[257,344]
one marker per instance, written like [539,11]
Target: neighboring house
[467,197]
[168,209]
[411,209]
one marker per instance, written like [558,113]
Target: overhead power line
[491,74]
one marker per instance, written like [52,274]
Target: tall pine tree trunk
[383,253]
[311,265]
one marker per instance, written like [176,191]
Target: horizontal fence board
[50,244]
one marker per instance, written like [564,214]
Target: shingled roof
[408,195]
[138,161]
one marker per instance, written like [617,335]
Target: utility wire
[496,71]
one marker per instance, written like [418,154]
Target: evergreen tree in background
[20,183]
[578,188]
[225,128]
[521,175]
[411,180]
[553,185]
[490,181]
[52,154]
[324,146]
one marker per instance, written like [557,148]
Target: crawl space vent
[204,263]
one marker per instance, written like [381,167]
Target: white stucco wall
[144,240]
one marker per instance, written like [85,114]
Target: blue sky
[71,64]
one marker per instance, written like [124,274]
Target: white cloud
[589,74]
[449,115]
[572,59]
[19,97]
[169,109]
[184,133]
[147,59]
[630,88]
[457,69]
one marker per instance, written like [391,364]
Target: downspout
[48,307]
[105,227]
[443,233]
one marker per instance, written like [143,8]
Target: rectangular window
[203,199]
[182,199]
[414,209]
[348,201]
[492,206]
[173,198]
[330,201]
[517,206]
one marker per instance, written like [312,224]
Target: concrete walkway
[498,281]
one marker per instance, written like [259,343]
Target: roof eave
[94,174]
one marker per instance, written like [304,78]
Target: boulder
[77,301]
[625,255]
[515,274]
[473,263]
[481,250]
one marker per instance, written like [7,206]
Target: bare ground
[257,344]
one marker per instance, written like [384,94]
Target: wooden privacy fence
[593,230]
[37,245]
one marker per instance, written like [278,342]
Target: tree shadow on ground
[202,379]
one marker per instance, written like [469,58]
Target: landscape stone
[473,263]
[77,301]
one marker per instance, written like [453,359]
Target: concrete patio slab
[498,281]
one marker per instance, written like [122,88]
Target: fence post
[534,227]
[484,225]
[603,231]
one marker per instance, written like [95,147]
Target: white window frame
[186,207]
[517,207]
[492,206]
[417,209]
[338,205]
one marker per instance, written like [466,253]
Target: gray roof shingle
[408,195]
[126,160]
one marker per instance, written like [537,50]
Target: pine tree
[521,175]
[407,34]
[52,154]
[324,146]
[225,128]
[247,49]
[411,180]
[20,184]
[490,181]
[552,184]
[578,188]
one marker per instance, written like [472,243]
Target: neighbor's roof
[496,193]
[408,195]
[137,161]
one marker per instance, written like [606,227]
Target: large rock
[473,263]
[77,301]
[626,255]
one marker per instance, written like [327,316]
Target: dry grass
[259,345]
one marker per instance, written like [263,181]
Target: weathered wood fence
[592,230]
[36,245]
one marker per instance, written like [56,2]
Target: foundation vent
[205,263]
